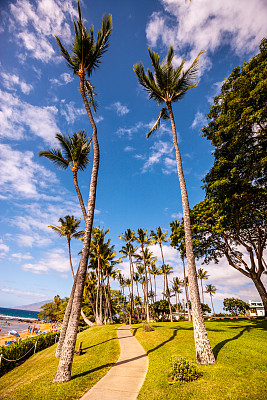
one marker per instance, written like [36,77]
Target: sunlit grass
[239,347]
[33,379]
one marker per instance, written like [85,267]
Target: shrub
[181,318]
[147,327]
[20,351]
[182,370]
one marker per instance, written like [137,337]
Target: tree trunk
[131,290]
[204,354]
[63,373]
[186,293]
[202,291]
[261,290]
[167,287]
[146,287]
[75,179]
[212,303]
[155,288]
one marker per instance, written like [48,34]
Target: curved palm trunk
[167,287]
[204,354]
[63,373]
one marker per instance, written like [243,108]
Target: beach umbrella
[15,333]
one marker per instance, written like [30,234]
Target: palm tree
[168,85]
[85,58]
[73,153]
[202,275]
[154,271]
[160,237]
[128,237]
[68,228]
[177,284]
[211,289]
[144,240]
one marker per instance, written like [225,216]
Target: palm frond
[163,114]
[66,55]
[56,157]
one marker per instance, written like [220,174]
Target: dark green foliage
[182,370]
[160,310]
[18,350]
[147,327]
[55,310]
[205,308]
[235,306]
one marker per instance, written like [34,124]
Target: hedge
[20,351]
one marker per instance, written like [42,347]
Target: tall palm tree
[129,237]
[86,57]
[201,274]
[144,240]
[168,85]
[154,271]
[211,289]
[160,237]
[73,153]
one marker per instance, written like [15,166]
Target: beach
[22,328]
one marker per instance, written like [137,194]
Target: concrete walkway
[125,379]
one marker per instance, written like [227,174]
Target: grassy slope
[239,347]
[33,379]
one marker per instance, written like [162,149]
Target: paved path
[125,379]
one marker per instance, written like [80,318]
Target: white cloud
[119,108]
[130,131]
[178,215]
[10,81]
[4,249]
[20,175]
[160,150]
[21,256]
[64,79]
[129,148]
[21,293]
[19,119]
[70,111]
[199,120]
[205,24]
[35,24]
[55,260]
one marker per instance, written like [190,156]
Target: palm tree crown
[168,84]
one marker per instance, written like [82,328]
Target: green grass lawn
[33,379]
[240,350]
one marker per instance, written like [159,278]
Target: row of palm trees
[168,84]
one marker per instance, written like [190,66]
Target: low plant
[182,370]
[147,327]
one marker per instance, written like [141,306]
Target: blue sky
[138,184]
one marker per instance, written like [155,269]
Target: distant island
[33,306]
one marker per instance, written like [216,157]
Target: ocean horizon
[12,313]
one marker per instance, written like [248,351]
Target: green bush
[20,351]
[147,327]
[182,370]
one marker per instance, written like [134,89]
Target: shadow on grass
[174,334]
[220,345]
[90,371]
[97,344]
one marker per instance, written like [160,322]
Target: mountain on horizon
[33,306]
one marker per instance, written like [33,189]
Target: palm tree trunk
[79,195]
[131,290]
[155,288]
[204,354]
[146,287]
[212,304]
[63,373]
[186,292]
[202,290]
[167,287]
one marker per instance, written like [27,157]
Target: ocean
[10,320]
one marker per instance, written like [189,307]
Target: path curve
[125,379]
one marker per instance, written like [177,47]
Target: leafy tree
[211,289]
[233,217]
[205,308]
[168,85]
[235,306]
[86,57]
[160,310]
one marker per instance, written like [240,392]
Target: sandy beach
[22,329]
